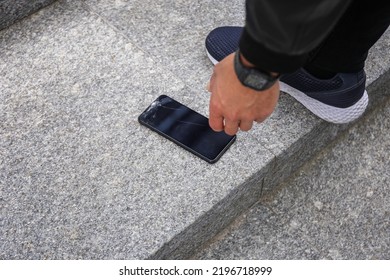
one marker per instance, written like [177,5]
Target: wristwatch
[253,78]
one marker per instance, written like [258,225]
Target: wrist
[252,76]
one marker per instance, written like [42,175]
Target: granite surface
[173,33]
[337,207]
[13,10]
[80,178]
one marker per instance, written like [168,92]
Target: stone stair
[81,179]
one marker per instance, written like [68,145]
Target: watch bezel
[262,82]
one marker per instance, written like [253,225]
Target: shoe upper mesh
[306,83]
[342,91]
[223,41]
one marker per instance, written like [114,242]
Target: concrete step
[336,207]
[14,10]
[80,178]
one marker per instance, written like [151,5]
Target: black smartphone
[186,128]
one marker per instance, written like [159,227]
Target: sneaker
[341,99]
[222,41]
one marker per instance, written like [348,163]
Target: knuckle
[233,116]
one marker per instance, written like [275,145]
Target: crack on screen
[176,109]
[160,103]
[192,123]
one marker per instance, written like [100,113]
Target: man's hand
[234,106]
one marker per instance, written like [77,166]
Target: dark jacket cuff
[269,60]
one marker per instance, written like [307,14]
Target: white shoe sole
[212,59]
[327,112]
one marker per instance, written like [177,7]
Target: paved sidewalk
[337,207]
[81,179]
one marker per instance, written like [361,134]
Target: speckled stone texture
[337,207]
[13,10]
[80,178]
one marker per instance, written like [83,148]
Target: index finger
[215,119]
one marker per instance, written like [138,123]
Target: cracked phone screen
[186,128]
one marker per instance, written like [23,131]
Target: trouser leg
[345,49]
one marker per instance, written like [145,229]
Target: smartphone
[186,128]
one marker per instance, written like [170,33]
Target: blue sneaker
[341,99]
[222,41]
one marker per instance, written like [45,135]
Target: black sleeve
[279,34]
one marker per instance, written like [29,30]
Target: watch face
[256,81]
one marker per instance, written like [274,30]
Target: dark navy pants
[346,48]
